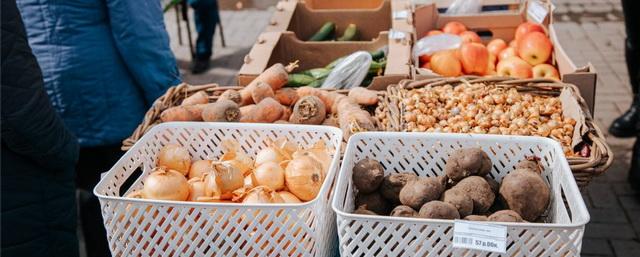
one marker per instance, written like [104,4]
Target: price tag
[479,236]
[400,15]
[537,11]
[394,34]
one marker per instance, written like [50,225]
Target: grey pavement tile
[602,196]
[630,203]
[609,231]
[626,248]
[625,189]
[598,247]
[608,215]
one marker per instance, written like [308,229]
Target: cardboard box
[503,25]
[487,5]
[371,17]
[285,47]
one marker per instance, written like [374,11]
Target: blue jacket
[104,62]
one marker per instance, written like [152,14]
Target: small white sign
[479,236]
[400,15]
[394,34]
[537,11]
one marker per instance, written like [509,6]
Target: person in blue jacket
[206,17]
[104,63]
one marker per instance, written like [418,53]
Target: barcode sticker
[479,236]
[400,15]
[537,11]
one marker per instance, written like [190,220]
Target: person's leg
[93,162]
[628,125]
[206,18]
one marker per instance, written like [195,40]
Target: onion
[288,197]
[262,194]
[163,184]
[304,177]
[234,156]
[269,174]
[320,153]
[199,168]
[135,194]
[248,182]
[196,189]
[223,180]
[175,157]
[269,154]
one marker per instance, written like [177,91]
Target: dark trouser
[632,54]
[206,18]
[94,161]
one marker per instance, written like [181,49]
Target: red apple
[545,71]
[425,58]
[526,28]
[493,58]
[507,52]
[514,67]
[454,27]
[433,32]
[446,64]
[474,58]
[426,66]
[496,45]
[513,43]
[469,37]
[535,48]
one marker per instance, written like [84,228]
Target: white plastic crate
[140,227]
[425,154]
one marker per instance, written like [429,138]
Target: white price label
[400,15]
[537,11]
[394,34]
[479,236]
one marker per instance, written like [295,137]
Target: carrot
[183,113]
[286,113]
[245,113]
[308,110]
[275,76]
[328,98]
[261,91]
[221,111]
[267,111]
[331,121]
[363,96]
[286,96]
[199,97]
[232,95]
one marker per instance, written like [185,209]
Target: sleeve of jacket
[30,125]
[142,40]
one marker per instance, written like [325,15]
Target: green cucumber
[299,80]
[317,73]
[316,83]
[350,33]
[324,33]
[378,54]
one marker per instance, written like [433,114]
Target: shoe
[627,125]
[200,65]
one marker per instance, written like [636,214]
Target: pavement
[590,31]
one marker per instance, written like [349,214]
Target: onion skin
[196,189]
[289,197]
[223,180]
[175,157]
[304,177]
[269,174]
[199,168]
[269,154]
[164,184]
[262,194]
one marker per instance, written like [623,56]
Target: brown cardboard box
[371,17]
[503,25]
[508,5]
[285,47]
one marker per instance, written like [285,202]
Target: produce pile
[466,191]
[266,100]
[328,30]
[527,56]
[280,173]
[485,109]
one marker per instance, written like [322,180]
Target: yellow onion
[163,184]
[199,168]
[234,156]
[248,182]
[262,194]
[320,153]
[196,189]
[270,154]
[135,194]
[223,180]
[304,177]
[175,157]
[269,174]
[288,197]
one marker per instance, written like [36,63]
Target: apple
[535,48]
[474,58]
[514,44]
[514,67]
[454,27]
[426,66]
[446,64]
[496,45]
[526,28]
[425,58]
[433,32]
[470,36]
[507,52]
[545,71]
[491,64]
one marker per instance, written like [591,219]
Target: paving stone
[626,248]
[602,196]
[597,247]
[630,203]
[609,231]
[608,215]
[624,189]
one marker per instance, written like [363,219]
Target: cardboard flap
[254,62]
[343,4]
[281,17]
[399,56]
[572,109]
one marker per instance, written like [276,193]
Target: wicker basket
[174,96]
[584,168]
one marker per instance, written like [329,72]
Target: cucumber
[299,80]
[324,33]
[334,63]
[378,54]
[317,73]
[316,83]
[350,33]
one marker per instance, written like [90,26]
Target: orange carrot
[221,111]
[363,96]
[275,76]
[267,111]
[183,113]
[199,97]
[261,91]
[286,113]
[245,113]
[286,96]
